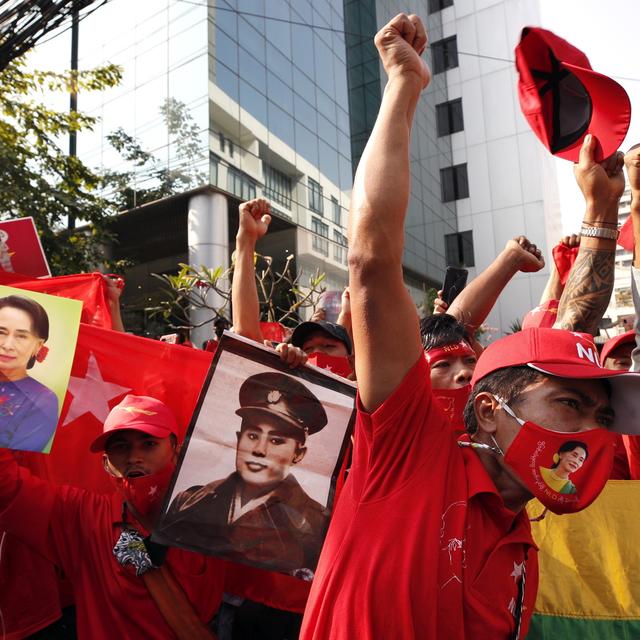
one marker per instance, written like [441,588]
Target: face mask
[336,364]
[452,403]
[145,494]
[565,471]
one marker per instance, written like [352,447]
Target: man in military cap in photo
[260,513]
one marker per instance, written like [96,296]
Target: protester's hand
[345,302]
[293,356]
[528,258]
[254,218]
[439,305]
[400,44]
[319,314]
[601,183]
[115,286]
[570,241]
[632,163]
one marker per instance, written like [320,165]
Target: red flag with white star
[90,288]
[107,366]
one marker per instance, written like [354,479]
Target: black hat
[302,331]
[285,398]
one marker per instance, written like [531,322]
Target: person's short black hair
[440,329]
[570,445]
[508,383]
[37,313]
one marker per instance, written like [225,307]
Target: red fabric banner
[90,288]
[625,239]
[564,257]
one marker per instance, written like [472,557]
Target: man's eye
[570,402]
[441,364]
[252,436]
[277,441]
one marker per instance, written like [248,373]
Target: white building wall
[512,182]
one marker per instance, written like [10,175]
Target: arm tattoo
[588,291]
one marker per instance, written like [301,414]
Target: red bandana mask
[336,364]
[145,494]
[565,471]
[452,402]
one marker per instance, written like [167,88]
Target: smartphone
[455,280]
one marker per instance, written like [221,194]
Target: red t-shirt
[420,544]
[77,530]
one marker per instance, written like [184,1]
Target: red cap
[141,413]
[565,354]
[543,315]
[629,337]
[563,99]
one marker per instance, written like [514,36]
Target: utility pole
[73,98]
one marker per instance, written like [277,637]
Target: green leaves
[38,178]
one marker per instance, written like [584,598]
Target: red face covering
[336,364]
[145,494]
[565,471]
[452,402]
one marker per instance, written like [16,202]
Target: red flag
[625,239]
[107,366]
[564,257]
[90,288]
[273,331]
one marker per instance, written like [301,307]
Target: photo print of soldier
[256,476]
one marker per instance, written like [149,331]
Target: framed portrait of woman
[38,335]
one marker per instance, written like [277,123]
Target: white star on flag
[92,393]
[517,570]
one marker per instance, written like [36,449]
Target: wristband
[599,232]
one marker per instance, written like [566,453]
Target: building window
[445,54]
[315,197]
[240,184]
[225,144]
[214,162]
[320,238]
[449,117]
[459,249]
[439,5]
[277,186]
[339,247]
[337,217]
[454,183]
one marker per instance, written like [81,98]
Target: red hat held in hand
[564,99]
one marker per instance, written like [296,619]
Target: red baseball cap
[141,413]
[563,99]
[565,354]
[629,337]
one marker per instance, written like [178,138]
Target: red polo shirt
[420,544]
[77,530]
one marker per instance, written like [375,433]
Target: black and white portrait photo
[257,472]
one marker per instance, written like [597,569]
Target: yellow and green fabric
[590,569]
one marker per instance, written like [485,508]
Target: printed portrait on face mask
[569,458]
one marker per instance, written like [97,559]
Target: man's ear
[486,407]
[106,465]
[300,453]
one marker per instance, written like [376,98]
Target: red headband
[455,350]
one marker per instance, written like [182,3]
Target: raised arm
[475,301]
[384,318]
[588,289]
[632,163]
[254,222]
[554,288]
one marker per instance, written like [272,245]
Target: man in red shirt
[430,539]
[100,541]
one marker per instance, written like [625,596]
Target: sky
[607,31]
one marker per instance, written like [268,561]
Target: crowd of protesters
[431,521]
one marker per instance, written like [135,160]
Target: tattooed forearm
[588,291]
